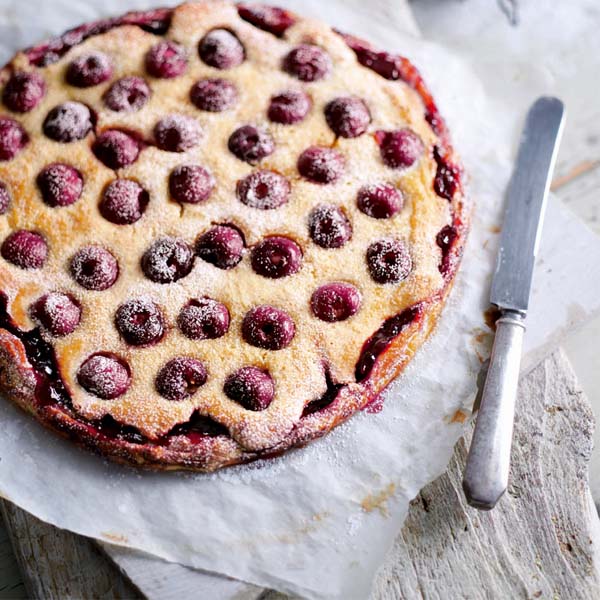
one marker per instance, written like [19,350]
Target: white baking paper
[318,522]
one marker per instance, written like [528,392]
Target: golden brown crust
[209,452]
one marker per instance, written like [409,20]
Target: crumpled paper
[317,522]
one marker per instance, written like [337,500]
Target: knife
[486,472]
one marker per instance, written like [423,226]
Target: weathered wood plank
[542,539]
[58,564]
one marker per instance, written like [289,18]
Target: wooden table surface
[539,543]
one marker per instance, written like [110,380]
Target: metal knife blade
[527,195]
[487,469]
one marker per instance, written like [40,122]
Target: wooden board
[540,542]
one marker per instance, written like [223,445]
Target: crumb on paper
[379,500]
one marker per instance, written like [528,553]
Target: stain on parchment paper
[378,500]
[116,538]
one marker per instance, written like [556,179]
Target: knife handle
[486,473]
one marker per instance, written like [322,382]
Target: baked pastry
[224,229]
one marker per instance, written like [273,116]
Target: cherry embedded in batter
[168,259]
[13,138]
[203,319]
[265,190]
[268,327]
[379,200]
[116,149]
[335,302]
[445,240]
[180,378]
[321,165]
[5,199]
[250,144]
[191,184]
[276,257]
[328,226]
[68,122]
[388,261]
[104,375]
[214,95]
[307,62]
[399,149]
[347,116]
[268,18]
[24,91]
[177,133]
[140,322]
[123,202]
[89,70]
[60,184]
[94,268]
[289,107]
[251,387]
[58,313]
[220,48]
[128,94]
[166,60]
[447,176]
[221,246]
[25,249]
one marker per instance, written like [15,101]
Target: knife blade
[488,463]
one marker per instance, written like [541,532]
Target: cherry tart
[223,230]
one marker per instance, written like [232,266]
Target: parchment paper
[318,521]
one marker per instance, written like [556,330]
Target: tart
[224,229]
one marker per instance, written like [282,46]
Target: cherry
[128,94]
[191,184]
[58,313]
[380,200]
[89,70]
[166,60]
[328,226]
[276,257]
[104,375]
[180,378]
[268,18]
[388,261]
[24,91]
[68,122]
[321,165]
[308,63]
[123,202]
[221,246]
[289,107]
[13,138]
[335,302]
[268,327]
[401,148]
[220,48]
[265,190]
[140,322]
[251,387]
[203,319]
[214,95]
[250,144]
[347,116]
[60,184]
[94,268]
[116,149]
[25,249]
[167,259]
[177,133]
